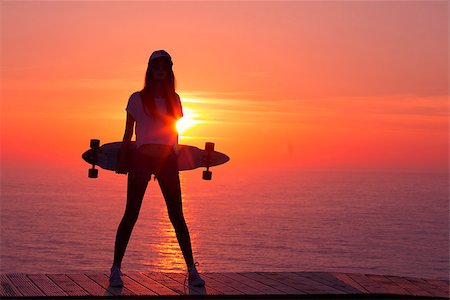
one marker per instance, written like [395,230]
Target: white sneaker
[115,279]
[194,277]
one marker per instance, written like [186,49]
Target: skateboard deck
[189,157]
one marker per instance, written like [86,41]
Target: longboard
[189,157]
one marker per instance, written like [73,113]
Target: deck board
[7,288]
[206,290]
[441,284]
[348,280]
[389,285]
[326,288]
[330,280]
[409,286]
[434,291]
[103,281]
[25,285]
[151,284]
[269,285]
[92,287]
[68,285]
[286,289]
[235,284]
[369,284]
[223,288]
[266,289]
[286,281]
[171,284]
[310,286]
[47,285]
[135,287]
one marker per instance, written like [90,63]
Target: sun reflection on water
[169,257]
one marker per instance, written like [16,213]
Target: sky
[298,84]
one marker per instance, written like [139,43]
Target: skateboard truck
[93,172]
[209,148]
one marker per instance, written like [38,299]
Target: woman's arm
[126,142]
[178,108]
[129,126]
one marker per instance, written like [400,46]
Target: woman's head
[159,71]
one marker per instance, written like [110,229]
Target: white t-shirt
[150,130]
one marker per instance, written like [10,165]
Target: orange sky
[305,84]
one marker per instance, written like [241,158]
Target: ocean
[369,221]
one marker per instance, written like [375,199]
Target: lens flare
[187,121]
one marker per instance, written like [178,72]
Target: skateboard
[107,156]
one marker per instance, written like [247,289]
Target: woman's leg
[135,193]
[170,187]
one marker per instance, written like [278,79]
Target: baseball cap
[160,53]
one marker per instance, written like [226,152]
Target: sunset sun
[187,121]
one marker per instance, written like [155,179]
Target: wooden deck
[254,285]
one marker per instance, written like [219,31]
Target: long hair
[148,96]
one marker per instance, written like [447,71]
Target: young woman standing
[154,111]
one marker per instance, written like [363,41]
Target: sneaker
[194,277]
[115,279]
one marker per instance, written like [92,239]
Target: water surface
[371,221]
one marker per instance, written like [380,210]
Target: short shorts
[143,165]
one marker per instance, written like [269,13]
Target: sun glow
[187,121]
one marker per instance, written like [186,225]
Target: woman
[155,109]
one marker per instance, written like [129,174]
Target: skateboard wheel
[207,175]
[93,173]
[95,143]
[209,146]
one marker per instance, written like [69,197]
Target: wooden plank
[326,288]
[242,283]
[92,287]
[170,283]
[346,279]
[266,289]
[224,289]
[103,281]
[304,289]
[7,288]
[409,286]
[151,284]
[330,280]
[26,287]
[389,285]
[135,287]
[429,288]
[68,285]
[206,290]
[286,289]
[312,286]
[441,284]
[235,284]
[372,286]
[46,285]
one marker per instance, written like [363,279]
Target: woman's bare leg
[170,187]
[135,193]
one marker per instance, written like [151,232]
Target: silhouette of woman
[155,110]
